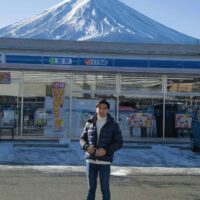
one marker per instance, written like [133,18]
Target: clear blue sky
[181,15]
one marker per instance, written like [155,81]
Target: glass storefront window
[178,115]
[142,103]
[46,104]
[138,116]
[183,84]
[94,81]
[84,107]
[10,101]
[138,83]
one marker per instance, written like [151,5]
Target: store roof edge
[98,47]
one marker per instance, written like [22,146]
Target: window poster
[183,120]
[84,117]
[58,93]
[5,77]
[40,118]
[8,118]
[140,120]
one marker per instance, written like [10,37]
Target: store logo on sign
[100,62]
[60,61]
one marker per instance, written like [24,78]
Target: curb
[115,170]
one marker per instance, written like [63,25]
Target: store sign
[139,63]
[58,92]
[5,78]
[183,120]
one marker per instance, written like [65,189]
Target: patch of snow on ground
[158,155]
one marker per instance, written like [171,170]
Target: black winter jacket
[110,138]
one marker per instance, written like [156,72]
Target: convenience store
[49,88]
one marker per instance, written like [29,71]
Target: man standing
[100,139]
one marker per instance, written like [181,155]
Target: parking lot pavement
[69,182]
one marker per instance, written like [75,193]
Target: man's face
[102,110]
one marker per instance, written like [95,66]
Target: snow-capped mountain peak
[99,20]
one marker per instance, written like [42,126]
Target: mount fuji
[95,20]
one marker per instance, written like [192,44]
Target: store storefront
[49,88]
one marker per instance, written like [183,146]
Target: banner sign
[5,78]
[140,120]
[58,93]
[183,120]
[145,63]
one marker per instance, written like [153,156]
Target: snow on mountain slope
[97,20]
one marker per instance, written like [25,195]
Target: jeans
[92,171]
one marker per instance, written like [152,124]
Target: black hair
[103,101]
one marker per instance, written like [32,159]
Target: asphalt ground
[58,183]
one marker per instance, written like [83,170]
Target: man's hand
[90,149]
[100,152]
